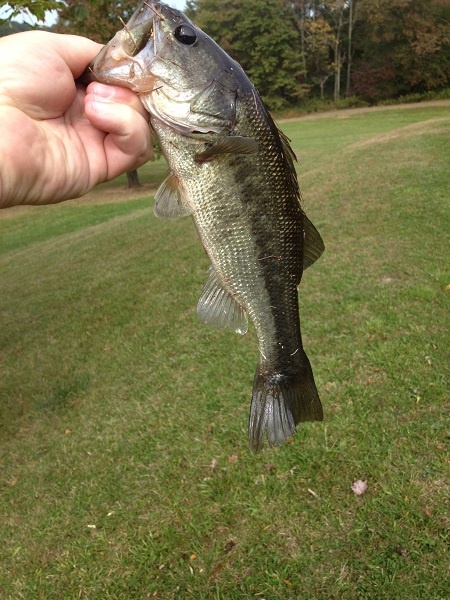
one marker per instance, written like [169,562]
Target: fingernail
[100,106]
[102,90]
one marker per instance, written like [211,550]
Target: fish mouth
[125,58]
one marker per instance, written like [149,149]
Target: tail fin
[281,401]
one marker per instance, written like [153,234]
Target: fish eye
[185,34]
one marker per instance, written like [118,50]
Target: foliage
[10,27]
[125,471]
[35,8]
[98,20]
[375,49]
[295,50]
[403,46]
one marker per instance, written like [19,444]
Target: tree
[98,20]
[319,44]
[403,46]
[262,36]
[336,10]
[352,16]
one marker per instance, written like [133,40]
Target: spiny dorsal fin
[216,307]
[169,200]
[229,145]
[313,246]
[286,143]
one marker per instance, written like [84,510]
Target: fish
[232,170]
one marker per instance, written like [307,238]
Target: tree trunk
[351,22]
[133,179]
[337,73]
[302,37]
[338,56]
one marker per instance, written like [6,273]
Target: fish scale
[232,170]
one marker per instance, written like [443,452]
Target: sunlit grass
[125,471]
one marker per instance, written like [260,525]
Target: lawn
[125,471]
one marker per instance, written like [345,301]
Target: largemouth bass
[233,171]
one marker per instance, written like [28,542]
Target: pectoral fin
[313,245]
[216,307]
[229,145]
[169,200]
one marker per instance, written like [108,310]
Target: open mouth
[134,39]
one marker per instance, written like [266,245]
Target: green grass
[115,401]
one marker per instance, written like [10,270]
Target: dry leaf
[359,487]
[213,464]
[216,570]
[229,546]
[222,528]
[232,458]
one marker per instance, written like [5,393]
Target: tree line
[298,50]
[294,50]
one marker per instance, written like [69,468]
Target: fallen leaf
[232,458]
[229,546]
[427,511]
[213,464]
[193,556]
[222,528]
[359,487]
[269,467]
[401,551]
[216,570]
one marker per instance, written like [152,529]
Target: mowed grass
[124,466]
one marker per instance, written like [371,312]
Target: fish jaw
[126,59]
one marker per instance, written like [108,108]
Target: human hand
[59,140]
